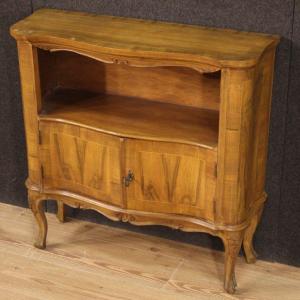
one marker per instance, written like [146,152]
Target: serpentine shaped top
[219,48]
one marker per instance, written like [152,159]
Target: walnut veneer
[147,122]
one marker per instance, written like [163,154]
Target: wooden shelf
[133,117]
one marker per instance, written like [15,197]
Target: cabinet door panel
[171,178]
[81,161]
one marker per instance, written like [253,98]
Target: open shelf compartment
[171,104]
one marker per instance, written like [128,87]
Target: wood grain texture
[93,261]
[243,139]
[32,103]
[115,213]
[232,244]
[177,85]
[160,179]
[250,253]
[81,161]
[148,123]
[60,211]
[36,205]
[133,117]
[140,38]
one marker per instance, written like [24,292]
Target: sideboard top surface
[143,38]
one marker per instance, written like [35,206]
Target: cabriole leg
[60,211]
[232,243]
[36,206]
[250,253]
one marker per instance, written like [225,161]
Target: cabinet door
[81,161]
[171,178]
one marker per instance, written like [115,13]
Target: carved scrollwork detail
[124,217]
[120,61]
[132,61]
[180,227]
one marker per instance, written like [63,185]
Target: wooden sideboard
[147,122]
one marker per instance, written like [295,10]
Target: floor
[91,261]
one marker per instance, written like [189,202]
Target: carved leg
[38,211]
[232,243]
[250,253]
[60,211]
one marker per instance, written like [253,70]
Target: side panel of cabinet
[31,96]
[81,161]
[243,139]
[233,149]
[171,178]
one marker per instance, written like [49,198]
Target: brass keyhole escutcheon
[128,178]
